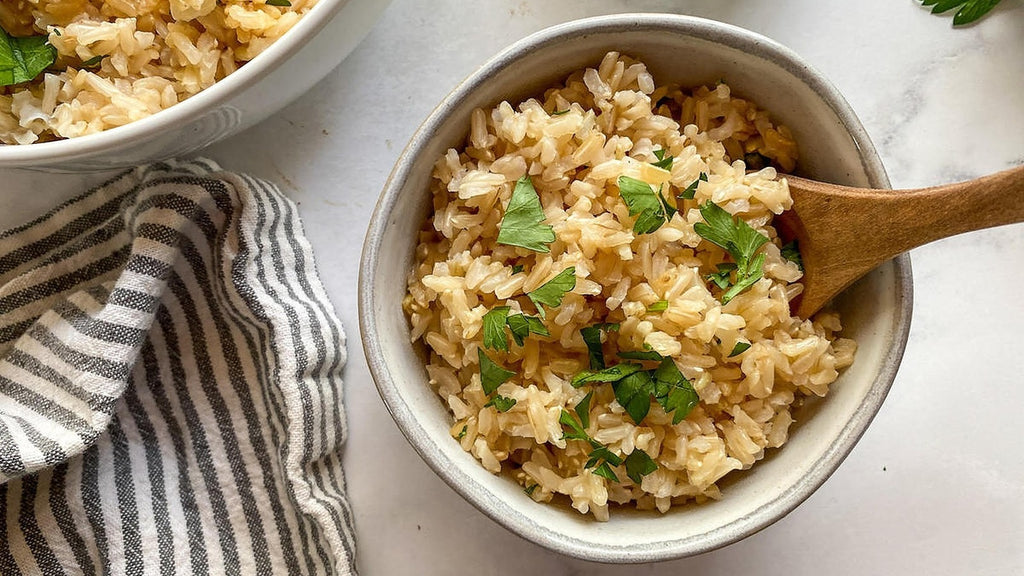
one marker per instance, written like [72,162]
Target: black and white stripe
[170,389]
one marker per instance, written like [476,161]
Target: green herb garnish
[600,458]
[639,464]
[969,10]
[592,338]
[491,375]
[659,306]
[550,293]
[94,61]
[494,329]
[501,403]
[664,161]
[24,58]
[673,391]
[582,409]
[739,348]
[530,489]
[462,433]
[791,252]
[691,190]
[610,374]
[651,208]
[517,268]
[523,223]
[560,112]
[722,277]
[279,3]
[522,325]
[634,394]
[650,355]
[737,238]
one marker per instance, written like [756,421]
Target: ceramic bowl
[833,147]
[286,70]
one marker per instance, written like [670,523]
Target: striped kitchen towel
[170,390]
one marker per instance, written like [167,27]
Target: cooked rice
[155,53]
[616,118]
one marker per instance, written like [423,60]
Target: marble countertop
[936,485]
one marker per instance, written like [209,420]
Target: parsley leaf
[279,3]
[611,374]
[551,292]
[638,465]
[659,306]
[24,58]
[600,453]
[592,338]
[691,190]
[791,252]
[634,394]
[605,471]
[523,223]
[739,348]
[737,238]
[522,325]
[576,431]
[721,278]
[94,61]
[501,403]
[673,391]
[650,207]
[494,329]
[583,409]
[560,112]
[664,161]
[970,10]
[462,433]
[517,269]
[491,375]
[529,489]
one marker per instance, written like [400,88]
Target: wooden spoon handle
[886,222]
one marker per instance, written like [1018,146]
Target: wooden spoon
[843,233]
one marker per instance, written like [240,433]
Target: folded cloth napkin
[170,389]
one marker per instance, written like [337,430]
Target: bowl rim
[520,524]
[184,112]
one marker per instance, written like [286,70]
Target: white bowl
[833,147]
[287,69]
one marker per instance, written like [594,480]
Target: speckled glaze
[287,69]
[876,311]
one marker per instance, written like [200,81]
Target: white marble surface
[936,486]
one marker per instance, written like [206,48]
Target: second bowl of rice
[556,325]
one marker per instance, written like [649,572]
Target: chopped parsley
[523,223]
[664,161]
[634,386]
[600,458]
[279,3]
[520,325]
[462,433]
[791,252]
[650,207]
[551,292]
[94,61]
[639,464]
[634,394]
[494,329]
[737,238]
[517,268]
[969,10]
[582,409]
[691,190]
[491,375]
[673,391]
[592,338]
[610,374]
[501,403]
[529,489]
[645,354]
[722,277]
[24,58]
[739,348]
[659,306]
[560,112]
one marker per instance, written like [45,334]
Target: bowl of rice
[90,85]
[575,305]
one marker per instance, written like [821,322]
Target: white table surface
[936,486]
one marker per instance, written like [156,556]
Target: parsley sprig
[523,223]
[24,58]
[492,376]
[520,325]
[969,10]
[737,238]
[551,292]
[650,207]
[601,458]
